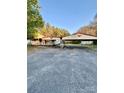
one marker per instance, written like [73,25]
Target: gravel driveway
[54,70]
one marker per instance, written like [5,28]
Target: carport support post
[95,42]
[62,43]
[81,43]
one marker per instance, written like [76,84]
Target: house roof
[80,37]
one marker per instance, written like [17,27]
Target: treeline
[36,25]
[90,29]
[52,31]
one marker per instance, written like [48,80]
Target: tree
[90,29]
[34,19]
[51,31]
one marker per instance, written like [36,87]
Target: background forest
[36,25]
